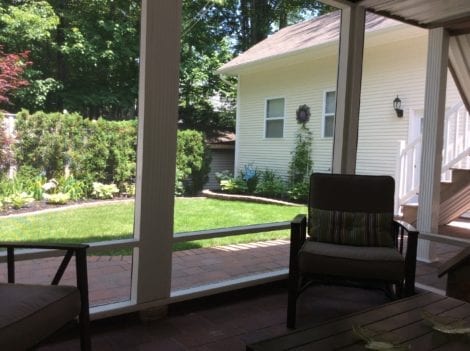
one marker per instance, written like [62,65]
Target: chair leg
[84,326]
[409,288]
[292,300]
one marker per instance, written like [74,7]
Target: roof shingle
[301,36]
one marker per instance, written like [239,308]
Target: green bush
[299,191]
[18,200]
[250,176]
[57,199]
[270,184]
[93,150]
[104,191]
[76,189]
[192,161]
[300,166]
[234,186]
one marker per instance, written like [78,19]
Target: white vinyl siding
[329,108]
[389,69]
[275,114]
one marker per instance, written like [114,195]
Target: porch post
[156,151]
[348,89]
[433,130]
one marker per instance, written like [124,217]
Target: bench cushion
[29,313]
[359,262]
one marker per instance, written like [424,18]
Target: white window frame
[283,118]
[325,114]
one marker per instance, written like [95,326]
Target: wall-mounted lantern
[397,107]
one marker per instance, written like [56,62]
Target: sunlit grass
[115,221]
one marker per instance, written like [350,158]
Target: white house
[298,65]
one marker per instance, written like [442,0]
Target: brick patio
[110,276]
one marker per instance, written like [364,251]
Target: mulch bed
[42,205]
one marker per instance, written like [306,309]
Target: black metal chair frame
[79,250]
[298,282]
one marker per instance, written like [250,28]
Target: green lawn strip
[115,221]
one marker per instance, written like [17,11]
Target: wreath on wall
[303,114]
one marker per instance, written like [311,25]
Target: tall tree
[206,99]
[29,26]
[259,18]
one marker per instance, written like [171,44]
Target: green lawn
[115,221]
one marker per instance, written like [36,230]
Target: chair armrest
[405,225]
[297,237]
[31,245]
[298,230]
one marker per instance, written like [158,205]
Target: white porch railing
[456,149]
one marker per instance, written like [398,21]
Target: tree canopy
[85,54]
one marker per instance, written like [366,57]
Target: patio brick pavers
[110,276]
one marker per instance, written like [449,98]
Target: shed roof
[301,36]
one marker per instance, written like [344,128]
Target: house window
[329,114]
[274,118]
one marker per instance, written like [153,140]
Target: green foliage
[270,184]
[85,54]
[27,180]
[76,189]
[300,166]
[179,186]
[98,150]
[18,200]
[250,176]
[104,191]
[129,189]
[224,175]
[57,199]
[234,186]
[192,161]
[299,191]
[31,25]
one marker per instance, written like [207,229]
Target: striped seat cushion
[351,228]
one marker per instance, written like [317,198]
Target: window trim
[325,114]
[283,118]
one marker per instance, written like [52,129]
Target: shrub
[18,200]
[179,186]
[301,163]
[234,186]
[76,189]
[41,142]
[57,199]
[300,166]
[250,176]
[270,184]
[27,180]
[104,191]
[192,161]
[129,189]
[299,191]
[224,175]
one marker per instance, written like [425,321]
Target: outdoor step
[455,197]
[460,180]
